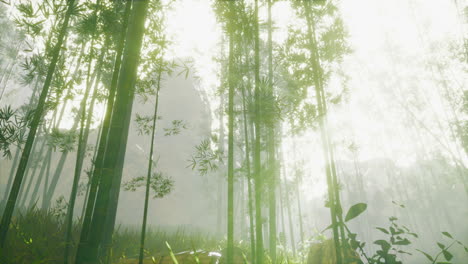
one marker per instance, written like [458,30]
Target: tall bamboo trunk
[55,123]
[297,182]
[18,150]
[291,227]
[88,185]
[75,75]
[63,158]
[33,200]
[25,192]
[249,177]
[30,175]
[287,203]
[46,182]
[118,134]
[257,148]
[96,175]
[230,189]
[10,206]
[8,75]
[271,145]
[150,170]
[334,174]
[282,205]
[81,151]
[12,171]
[329,166]
[299,213]
[219,217]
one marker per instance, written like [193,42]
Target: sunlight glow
[377,31]
[411,27]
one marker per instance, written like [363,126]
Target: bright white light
[374,26]
[391,40]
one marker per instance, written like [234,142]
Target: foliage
[59,210]
[207,158]
[296,62]
[177,126]
[398,237]
[160,184]
[12,128]
[444,250]
[285,102]
[30,244]
[144,124]
[355,211]
[63,140]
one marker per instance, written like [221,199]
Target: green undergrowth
[38,236]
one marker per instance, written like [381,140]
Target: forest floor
[39,237]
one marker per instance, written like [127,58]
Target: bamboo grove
[92,65]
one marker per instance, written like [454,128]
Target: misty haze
[247,131]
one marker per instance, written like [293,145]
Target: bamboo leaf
[355,211]
[403,242]
[442,246]
[383,230]
[447,234]
[447,255]
[429,257]
[384,244]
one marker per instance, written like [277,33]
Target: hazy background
[396,112]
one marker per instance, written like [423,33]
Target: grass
[38,236]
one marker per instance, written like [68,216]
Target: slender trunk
[271,145]
[86,196]
[76,73]
[299,213]
[50,188]
[291,228]
[297,182]
[112,208]
[282,204]
[24,193]
[96,175]
[53,123]
[58,171]
[33,201]
[230,191]
[12,171]
[8,75]
[118,134]
[46,182]
[29,177]
[5,71]
[257,149]
[81,151]
[242,202]
[219,218]
[334,175]
[249,177]
[288,208]
[8,212]
[319,94]
[18,150]
[149,172]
